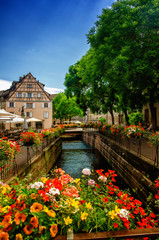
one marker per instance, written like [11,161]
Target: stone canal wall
[121,161]
[40,165]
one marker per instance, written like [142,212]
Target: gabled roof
[13,87]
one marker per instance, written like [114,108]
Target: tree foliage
[121,69]
[65,108]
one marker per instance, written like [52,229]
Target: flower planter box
[152,233]
[27,144]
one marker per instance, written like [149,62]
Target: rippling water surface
[77,155]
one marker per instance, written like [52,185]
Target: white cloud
[53,90]
[4,84]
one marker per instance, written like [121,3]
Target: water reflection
[77,155]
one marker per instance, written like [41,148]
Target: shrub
[135,118]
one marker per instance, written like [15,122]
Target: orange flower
[34,196]
[51,213]
[28,229]
[19,216]
[18,236]
[53,230]
[34,222]
[41,229]
[6,221]
[36,207]
[4,236]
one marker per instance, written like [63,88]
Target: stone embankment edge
[134,178]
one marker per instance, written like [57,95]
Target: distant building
[28,95]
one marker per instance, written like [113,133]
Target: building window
[29,86]
[29,105]
[46,115]
[45,105]
[29,77]
[27,114]
[39,95]
[29,95]
[11,104]
[19,95]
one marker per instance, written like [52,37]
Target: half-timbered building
[28,95]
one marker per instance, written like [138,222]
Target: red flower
[152,215]
[115,225]
[105,199]
[126,224]
[57,184]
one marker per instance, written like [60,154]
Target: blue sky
[45,37]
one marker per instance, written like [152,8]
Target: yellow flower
[44,179]
[5,209]
[112,214]
[84,215]
[68,220]
[117,210]
[77,180]
[45,209]
[89,205]
[75,203]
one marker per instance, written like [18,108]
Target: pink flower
[91,182]
[102,179]
[86,171]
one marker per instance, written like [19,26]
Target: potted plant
[30,138]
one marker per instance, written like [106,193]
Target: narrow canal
[77,155]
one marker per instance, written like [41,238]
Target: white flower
[54,191]
[124,213]
[86,171]
[36,185]
[102,178]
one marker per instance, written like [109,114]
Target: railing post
[70,235]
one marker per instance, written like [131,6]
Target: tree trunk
[153,116]
[126,117]
[112,116]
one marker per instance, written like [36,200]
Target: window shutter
[8,105]
[33,105]
[24,105]
[22,94]
[14,104]
[17,94]
[32,95]
[31,114]
[48,105]
[42,105]
[26,95]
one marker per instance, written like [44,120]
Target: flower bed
[51,206]
[133,131]
[8,149]
[30,138]
[154,138]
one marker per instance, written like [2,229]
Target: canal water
[77,155]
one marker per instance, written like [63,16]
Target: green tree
[127,41]
[65,108]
